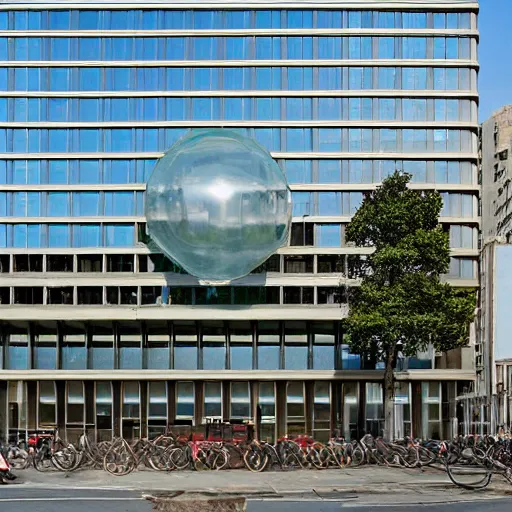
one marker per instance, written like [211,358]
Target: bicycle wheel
[320,457]
[159,459]
[201,460]
[470,477]
[66,459]
[119,459]
[356,456]
[255,459]
[18,458]
[42,462]
[180,457]
[425,456]
[218,459]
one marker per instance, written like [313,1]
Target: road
[23,499]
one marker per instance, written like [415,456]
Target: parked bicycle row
[480,456]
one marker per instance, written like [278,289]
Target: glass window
[86,204]
[298,171]
[58,235]
[327,235]
[157,403]
[102,352]
[104,405]
[185,400]
[58,204]
[75,404]
[131,400]
[185,355]
[74,352]
[295,410]
[45,353]
[213,400]
[322,411]
[240,400]
[431,409]
[386,48]
[329,139]
[329,203]
[89,79]
[214,351]
[302,203]
[374,408]
[414,48]
[119,204]
[130,353]
[17,352]
[269,346]
[47,403]
[119,235]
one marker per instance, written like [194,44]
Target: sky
[495,55]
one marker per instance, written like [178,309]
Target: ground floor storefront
[145,406]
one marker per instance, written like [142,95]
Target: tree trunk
[389,397]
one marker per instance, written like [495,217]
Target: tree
[402,300]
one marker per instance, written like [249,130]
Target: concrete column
[60,390]
[308,406]
[199,402]
[417,429]
[143,413]
[281,408]
[4,411]
[171,402]
[32,404]
[116,407]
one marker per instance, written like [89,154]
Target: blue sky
[495,54]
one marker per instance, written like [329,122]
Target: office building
[99,333]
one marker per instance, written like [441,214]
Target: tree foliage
[402,299]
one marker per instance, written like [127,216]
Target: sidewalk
[364,480]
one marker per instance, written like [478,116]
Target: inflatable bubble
[218,204]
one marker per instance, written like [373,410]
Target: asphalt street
[23,499]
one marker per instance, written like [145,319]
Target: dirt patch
[196,502]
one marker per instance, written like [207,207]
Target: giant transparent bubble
[218,204]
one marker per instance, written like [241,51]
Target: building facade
[493,395]
[99,333]
[496,164]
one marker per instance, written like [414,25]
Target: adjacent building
[98,332]
[493,399]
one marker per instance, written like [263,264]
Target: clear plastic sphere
[218,204]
